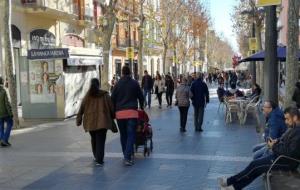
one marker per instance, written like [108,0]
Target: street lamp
[130,49]
[252,13]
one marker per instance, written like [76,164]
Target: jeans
[183,116]
[261,150]
[5,133]
[169,97]
[254,170]
[127,128]
[198,117]
[147,92]
[159,98]
[98,138]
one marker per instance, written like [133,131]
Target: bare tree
[165,18]
[106,28]
[141,37]
[9,61]
[245,14]
[292,64]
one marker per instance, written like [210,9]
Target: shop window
[118,66]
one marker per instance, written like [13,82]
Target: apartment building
[55,54]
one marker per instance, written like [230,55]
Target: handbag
[113,127]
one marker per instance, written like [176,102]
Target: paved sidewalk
[58,156]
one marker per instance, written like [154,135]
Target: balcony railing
[124,43]
[34,3]
[53,7]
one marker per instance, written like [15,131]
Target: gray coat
[183,95]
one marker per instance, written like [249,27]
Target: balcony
[123,43]
[87,18]
[46,8]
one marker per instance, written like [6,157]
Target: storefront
[41,77]
[79,69]
[55,80]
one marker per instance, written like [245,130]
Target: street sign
[130,53]
[175,60]
[262,3]
[252,44]
[197,63]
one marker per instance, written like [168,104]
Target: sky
[220,11]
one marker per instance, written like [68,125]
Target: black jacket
[200,93]
[147,82]
[296,95]
[126,94]
[170,85]
[289,145]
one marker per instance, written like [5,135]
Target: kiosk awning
[76,60]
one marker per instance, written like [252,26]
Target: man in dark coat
[296,95]
[126,97]
[288,145]
[170,90]
[147,85]
[200,97]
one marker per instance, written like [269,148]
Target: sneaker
[222,181]
[182,130]
[100,164]
[128,162]
[3,144]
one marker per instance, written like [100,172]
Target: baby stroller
[144,133]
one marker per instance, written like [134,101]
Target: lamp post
[130,49]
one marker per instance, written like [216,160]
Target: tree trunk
[271,61]
[259,65]
[164,58]
[175,61]
[291,51]
[9,60]
[106,44]
[141,41]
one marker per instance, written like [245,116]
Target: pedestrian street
[58,155]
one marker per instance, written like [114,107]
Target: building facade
[55,54]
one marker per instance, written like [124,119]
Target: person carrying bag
[97,116]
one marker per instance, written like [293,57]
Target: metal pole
[129,45]
[194,53]
[271,62]
[253,63]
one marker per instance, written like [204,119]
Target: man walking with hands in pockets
[200,97]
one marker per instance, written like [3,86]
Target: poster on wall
[42,79]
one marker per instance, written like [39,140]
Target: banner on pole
[262,3]
[130,53]
[252,44]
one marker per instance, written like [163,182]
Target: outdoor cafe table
[241,102]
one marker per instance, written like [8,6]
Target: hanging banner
[252,44]
[262,3]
